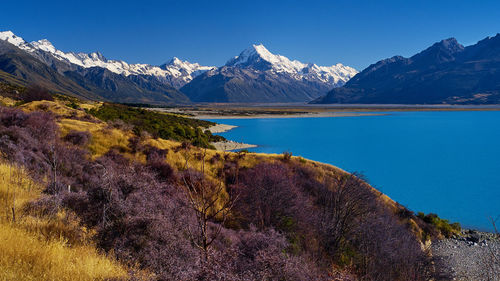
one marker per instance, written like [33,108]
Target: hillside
[178,211]
[445,73]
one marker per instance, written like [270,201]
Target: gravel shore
[231,145]
[472,256]
[220,128]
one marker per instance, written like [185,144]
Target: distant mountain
[92,75]
[257,75]
[446,72]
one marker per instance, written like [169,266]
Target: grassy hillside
[178,211]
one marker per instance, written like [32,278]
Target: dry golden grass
[38,248]
[27,257]
[103,138]
[57,107]
[7,101]
[90,105]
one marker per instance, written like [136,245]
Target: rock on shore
[472,256]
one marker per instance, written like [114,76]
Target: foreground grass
[27,257]
[37,248]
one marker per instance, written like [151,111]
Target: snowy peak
[15,40]
[258,57]
[254,52]
[11,38]
[44,45]
[176,63]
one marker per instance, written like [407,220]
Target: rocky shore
[220,128]
[231,145]
[473,255]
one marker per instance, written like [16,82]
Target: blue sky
[355,33]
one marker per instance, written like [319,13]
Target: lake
[446,162]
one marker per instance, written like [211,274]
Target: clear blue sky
[355,33]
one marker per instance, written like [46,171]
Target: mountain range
[256,75]
[445,73]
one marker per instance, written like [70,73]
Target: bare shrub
[79,138]
[268,196]
[36,93]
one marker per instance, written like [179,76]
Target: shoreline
[300,110]
[298,115]
[220,128]
[468,256]
[227,145]
[231,145]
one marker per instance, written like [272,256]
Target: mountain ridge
[175,72]
[444,73]
[94,83]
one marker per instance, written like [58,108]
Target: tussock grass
[38,248]
[7,101]
[26,257]
[57,108]
[103,138]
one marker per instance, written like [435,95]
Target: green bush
[444,226]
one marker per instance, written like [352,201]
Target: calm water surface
[442,162]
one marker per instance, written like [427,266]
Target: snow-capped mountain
[258,57]
[257,75]
[176,72]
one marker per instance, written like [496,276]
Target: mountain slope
[257,75]
[41,64]
[26,69]
[446,72]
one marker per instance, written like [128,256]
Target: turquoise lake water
[442,162]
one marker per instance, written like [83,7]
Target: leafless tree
[209,202]
[344,203]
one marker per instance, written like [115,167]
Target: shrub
[36,93]
[446,228]
[268,196]
[287,156]
[78,137]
